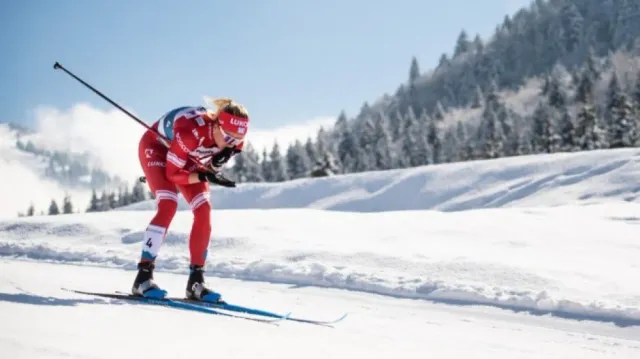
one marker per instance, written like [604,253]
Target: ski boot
[144,285]
[196,289]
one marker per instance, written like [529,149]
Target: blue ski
[177,304]
[242,309]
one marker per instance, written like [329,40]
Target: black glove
[220,158]
[216,178]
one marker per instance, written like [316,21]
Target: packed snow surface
[579,261]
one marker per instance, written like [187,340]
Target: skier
[193,133]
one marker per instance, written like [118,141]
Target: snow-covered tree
[589,132]
[298,162]
[623,131]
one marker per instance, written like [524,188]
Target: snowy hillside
[555,179]
[23,181]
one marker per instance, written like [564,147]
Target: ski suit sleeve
[178,156]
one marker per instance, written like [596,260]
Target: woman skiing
[176,162]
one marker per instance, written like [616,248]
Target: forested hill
[541,84]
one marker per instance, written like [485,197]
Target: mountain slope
[34,176]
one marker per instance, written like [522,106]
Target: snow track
[42,321]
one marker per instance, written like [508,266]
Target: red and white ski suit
[189,130]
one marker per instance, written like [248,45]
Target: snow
[42,321]
[577,261]
[536,180]
[23,182]
[528,257]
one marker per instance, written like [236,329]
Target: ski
[248,310]
[169,302]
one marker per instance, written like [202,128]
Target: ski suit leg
[197,195]
[152,156]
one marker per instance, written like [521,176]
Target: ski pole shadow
[24,298]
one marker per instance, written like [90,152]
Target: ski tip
[71,290]
[326,323]
[341,318]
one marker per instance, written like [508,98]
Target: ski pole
[57,66]
[161,138]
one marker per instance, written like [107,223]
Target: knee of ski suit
[167,209]
[202,216]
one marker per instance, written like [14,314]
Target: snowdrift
[547,180]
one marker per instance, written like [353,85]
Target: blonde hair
[229,106]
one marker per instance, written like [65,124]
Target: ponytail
[229,106]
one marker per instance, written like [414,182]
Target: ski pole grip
[56,66]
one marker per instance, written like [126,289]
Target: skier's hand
[216,178]
[219,159]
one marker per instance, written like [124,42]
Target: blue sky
[288,61]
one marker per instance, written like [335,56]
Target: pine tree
[567,133]
[543,135]
[31,210]
[493,140]
[478,98]
[94,204]
[614,93]
[298,162]
[449,146]
[506,121]
[624,128]
[277,166]
[556,95]
[636,97]
[53,208]
[382,159]
[414,74]
[124,197]
[462,44]
[312,152]
[465,149]
[348,148]
[247,167]
[589,131]
[438,113]
[584,91]
[138,193]
[573,24]
[396,126]
[67,206]
[103,202]
[265,167]
[410,141]
[434,141]
[112,201]
[366,143]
